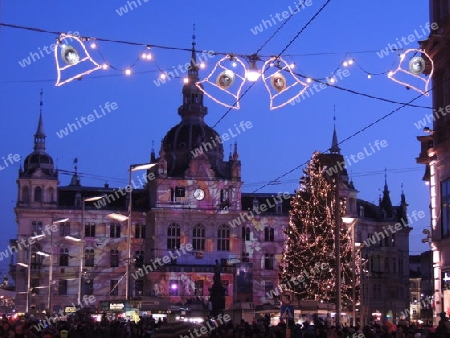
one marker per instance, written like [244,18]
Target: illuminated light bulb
[144,56]
[162,76]
[332,80]
[202,65]
[93,45]
[345,63]
[369,76]
[149,56]
[351,61]
[185,80]
[308,80]
[234,64]
[292,65]
[390,73]
[105,66]
[252,73]
[127,71]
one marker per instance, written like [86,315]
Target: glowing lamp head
[252,73]
[127,71]
[185,80]
[174,286]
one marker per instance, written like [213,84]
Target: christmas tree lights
[310,242]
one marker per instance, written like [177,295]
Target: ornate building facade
[188,212]
[435,154]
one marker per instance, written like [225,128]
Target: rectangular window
[35,286]
[64,229]
[245,257]
[89,229]
[62,287]
[198,288]
[88,287]
[114,230]
[114,287]
[268,261]
[36,227]
[89,257]
[278,207]
[139,231]
[445,208]
[269,234]
[180,192]
[268,289]
[139,287]
[114,258]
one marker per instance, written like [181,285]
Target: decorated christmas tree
[308,265]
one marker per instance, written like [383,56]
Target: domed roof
[190,138]
[38,159]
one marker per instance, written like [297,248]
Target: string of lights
[145,55]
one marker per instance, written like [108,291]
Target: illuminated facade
[435,154]
[188,212]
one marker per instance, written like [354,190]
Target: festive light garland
[225,81]
[70,56]
[278,82]
[416,67]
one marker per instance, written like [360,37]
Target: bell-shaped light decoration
[69,55]
[253,73]
[417,65]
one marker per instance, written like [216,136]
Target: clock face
[199,194]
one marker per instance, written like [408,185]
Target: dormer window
[255,203]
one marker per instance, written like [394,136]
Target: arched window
[223,238]
[198,237]
[64,257]
[173,236]
[89,257]
[38,194]
[26,194]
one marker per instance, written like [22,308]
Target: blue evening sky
[279,140]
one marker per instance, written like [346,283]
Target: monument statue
[217,292]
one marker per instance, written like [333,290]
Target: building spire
[192,90]
[386,203]
[334,140]
[39,137]
[193,69]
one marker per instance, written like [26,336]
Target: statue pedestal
[217,299]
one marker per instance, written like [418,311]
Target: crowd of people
[84,326]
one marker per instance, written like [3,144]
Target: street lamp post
[83,207]
[337,247]
[133,167]
[352,222]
